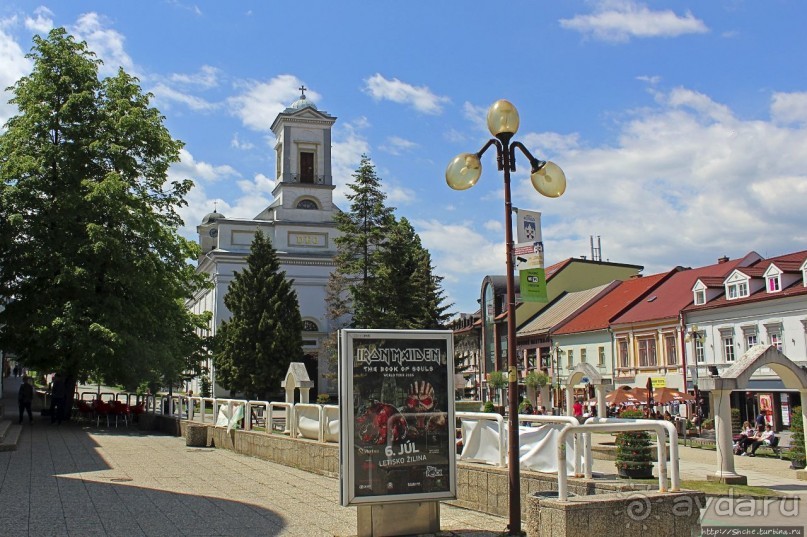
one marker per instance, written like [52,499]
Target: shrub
[323,398]
[797,452]
[633,452]
[489,408]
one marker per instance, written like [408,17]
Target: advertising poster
[397,419]
[529,256]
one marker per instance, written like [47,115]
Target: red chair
[118,410]
[137,409]
[84,410]
[101,409]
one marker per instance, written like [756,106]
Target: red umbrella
[633,396]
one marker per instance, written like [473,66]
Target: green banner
[532,285]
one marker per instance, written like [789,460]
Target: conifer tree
[254,348]
[363,229]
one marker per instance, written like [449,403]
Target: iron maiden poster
[397,433]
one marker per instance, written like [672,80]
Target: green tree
[254,348]
[362,231]
[94,274]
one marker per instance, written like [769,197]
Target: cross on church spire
[302,90]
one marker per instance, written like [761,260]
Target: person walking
[25,396]
[58,394]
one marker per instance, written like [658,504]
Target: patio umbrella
[623,396]
[665,396]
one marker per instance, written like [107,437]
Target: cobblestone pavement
[77,480]
[71,480]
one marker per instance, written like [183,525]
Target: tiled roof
[761,295]
[559,310]
[599,314]
[753,272]
[676,293]
[787,266]
[712,281]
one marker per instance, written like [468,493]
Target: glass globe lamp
[463,171]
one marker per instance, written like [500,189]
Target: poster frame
[347,443]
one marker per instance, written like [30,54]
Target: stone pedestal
[639,514]
[386,520]
[801,474]
[728,478]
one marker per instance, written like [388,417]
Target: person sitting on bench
[765,439]
[744,439]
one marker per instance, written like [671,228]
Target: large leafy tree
[93,274]
[254,348]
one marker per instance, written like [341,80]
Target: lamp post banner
[396,394]
[529,257]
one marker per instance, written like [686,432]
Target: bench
[775,447]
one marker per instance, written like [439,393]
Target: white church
[300,224]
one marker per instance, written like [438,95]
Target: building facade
[299,223]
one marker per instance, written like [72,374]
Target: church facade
[300,224]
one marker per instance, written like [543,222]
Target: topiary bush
[489,407]
[634,456]
[797,454]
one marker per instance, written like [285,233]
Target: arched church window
[310,326]
[307,204]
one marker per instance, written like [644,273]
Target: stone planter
[196,435]
[636,473]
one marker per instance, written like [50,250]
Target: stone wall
[634,514]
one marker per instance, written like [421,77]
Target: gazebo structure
[584,372]
[737,377]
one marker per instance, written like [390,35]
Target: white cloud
[15,66]
[207,77]
[238,143]
[201,171]
[789,108]
[477,115]
[494,225]
[166,95]
[685,179]
[105,42]
[42,22]
[260,102]
[619,20]
[347,148]
[397,194]
[420,98]
[458,249]
[395,145]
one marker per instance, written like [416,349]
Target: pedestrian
[16,371]
[760,419]
[577,410]
[58,394]
[25,397]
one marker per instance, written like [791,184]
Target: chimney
[721,260]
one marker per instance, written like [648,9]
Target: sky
[681,126]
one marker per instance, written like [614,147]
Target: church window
[307,204]
[310,326]
[306,167]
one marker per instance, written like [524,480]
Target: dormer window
[737,290]
[700,297]
[774,284]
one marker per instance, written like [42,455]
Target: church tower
[304,189]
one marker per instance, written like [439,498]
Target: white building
[300,224]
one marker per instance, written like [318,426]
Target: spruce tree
[362,230]
[254,348]
[93,273]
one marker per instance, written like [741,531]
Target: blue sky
[681,126]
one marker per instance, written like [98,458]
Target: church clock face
[213,233]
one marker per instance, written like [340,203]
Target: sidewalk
[75,480]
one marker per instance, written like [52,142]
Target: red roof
[712,281]
[795,259]
[598,315]
[676,293]
[788,266]
[754,272]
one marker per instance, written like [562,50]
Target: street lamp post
[462,173]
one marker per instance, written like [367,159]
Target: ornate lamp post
[462,173]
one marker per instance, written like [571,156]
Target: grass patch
[723,489]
